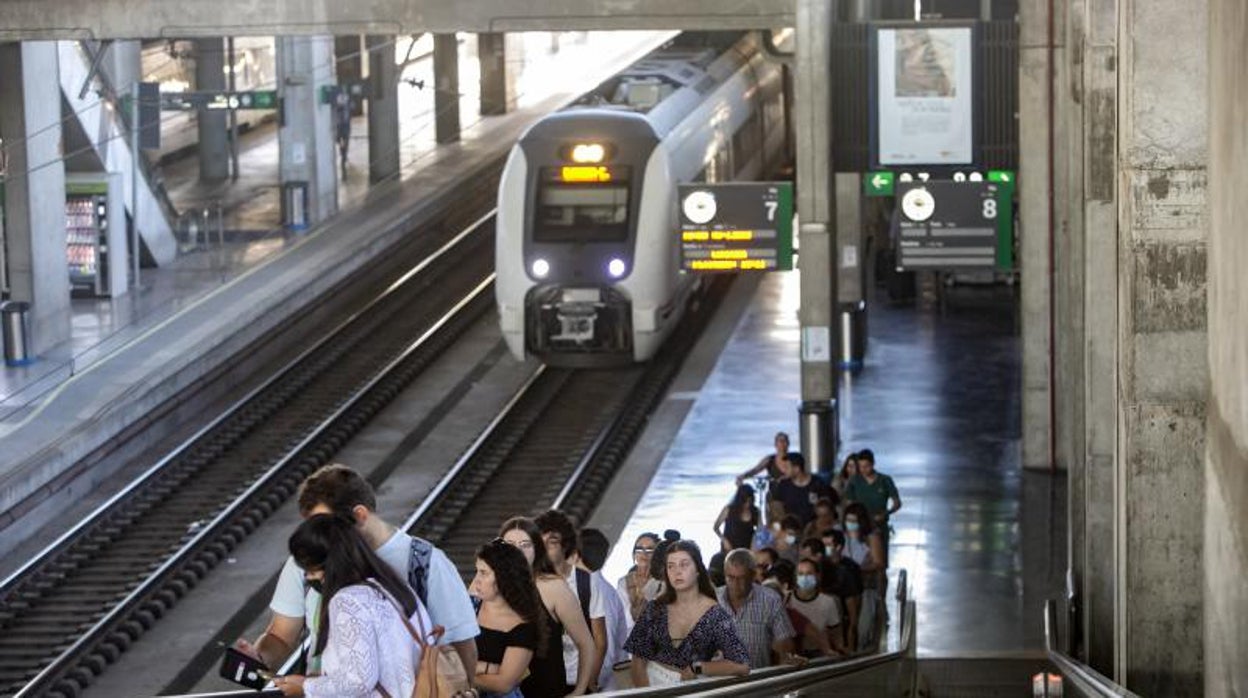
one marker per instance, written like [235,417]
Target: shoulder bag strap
[417,635]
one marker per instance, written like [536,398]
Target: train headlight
[588,152]
[540,268]
[616,268]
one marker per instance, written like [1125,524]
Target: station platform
[983,542]
[130,354]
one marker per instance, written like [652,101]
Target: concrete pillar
[1095,497]
[214,143]
[1035,196]
[349,65]
[34,190]
[816,205]
[123,64]
[1226,453]
[383,110]
[498,79]
[306,137]
[1162,342]
[850,252]
[446,87]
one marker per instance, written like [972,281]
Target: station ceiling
[147,19]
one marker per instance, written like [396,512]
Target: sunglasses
[523,545]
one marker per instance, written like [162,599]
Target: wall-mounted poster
[925,101]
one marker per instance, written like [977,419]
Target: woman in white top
[368,649]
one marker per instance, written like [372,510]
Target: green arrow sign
[878,184]
[1003,176]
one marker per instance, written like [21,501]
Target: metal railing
[1080,676]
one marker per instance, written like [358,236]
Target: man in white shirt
[593,555]
[562,543]
[337,489]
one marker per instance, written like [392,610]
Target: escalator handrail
[1086,679]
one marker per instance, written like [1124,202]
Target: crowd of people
[386,611]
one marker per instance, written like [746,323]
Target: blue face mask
[851,526]
[806,582]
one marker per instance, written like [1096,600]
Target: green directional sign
[878,183]
[1003,176]
[213,101]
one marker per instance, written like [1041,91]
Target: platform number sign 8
[989,208]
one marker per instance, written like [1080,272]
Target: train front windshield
[581,211]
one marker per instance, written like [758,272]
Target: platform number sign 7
[771,207]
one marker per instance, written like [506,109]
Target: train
[586,251]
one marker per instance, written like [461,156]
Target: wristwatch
[697,668]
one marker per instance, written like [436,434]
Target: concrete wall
[1162,333]
[1226,454]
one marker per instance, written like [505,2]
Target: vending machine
[95,239]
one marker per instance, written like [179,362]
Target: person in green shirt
[875,491]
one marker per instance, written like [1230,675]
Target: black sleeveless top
[740,534]
[546,675]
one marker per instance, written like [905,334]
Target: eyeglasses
[642,551]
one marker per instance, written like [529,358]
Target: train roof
[685,62]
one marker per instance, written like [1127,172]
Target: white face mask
[790,539]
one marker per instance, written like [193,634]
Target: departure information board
[746,226]
[952,225]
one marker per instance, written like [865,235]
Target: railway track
[557,444]
[67,615]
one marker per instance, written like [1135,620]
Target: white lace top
[367,645]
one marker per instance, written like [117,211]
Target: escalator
[895,670]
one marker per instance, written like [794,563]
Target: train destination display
[746,226]
[947,225]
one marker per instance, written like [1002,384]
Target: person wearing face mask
[841,578]
[818,608]
[787,542]
[864,546]
[811,640]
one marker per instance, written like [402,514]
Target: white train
[587,253]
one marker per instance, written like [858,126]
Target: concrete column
[1162,342]
[1095,498]
[34,190]
[1035,196]
[214,143]
[498,80]
[383,110]
[123,64]
[446,87]
[306,137]
[850,252]
[816,205]
[349,64]
[1226,453]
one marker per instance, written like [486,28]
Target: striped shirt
[761,622]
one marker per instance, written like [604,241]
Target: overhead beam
[118,19]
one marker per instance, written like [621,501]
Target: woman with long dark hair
[365,614]
[738,520]
[511,619]
[561,611]
[680,632]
